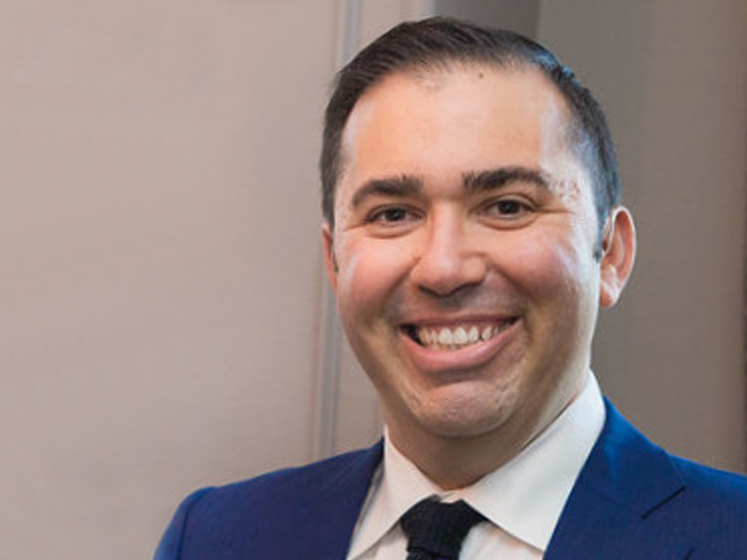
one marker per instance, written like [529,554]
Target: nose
[449,259]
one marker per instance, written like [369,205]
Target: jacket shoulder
[633,499]
[254,515]
[315,481]
[711,510]
[707,485]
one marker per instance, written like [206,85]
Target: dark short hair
[439,43]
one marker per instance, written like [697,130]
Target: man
[472,231]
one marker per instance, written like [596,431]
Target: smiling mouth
[456,337]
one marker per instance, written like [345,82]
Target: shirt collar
[524,497]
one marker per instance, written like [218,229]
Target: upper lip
[434,321]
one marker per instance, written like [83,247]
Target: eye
[391,215]
[508,211]
[508,207]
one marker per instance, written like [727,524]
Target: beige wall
[521,16]
[160,265]
[164,323]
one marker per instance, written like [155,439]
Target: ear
[618,255]
[329,255]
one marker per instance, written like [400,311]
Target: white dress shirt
[522,500]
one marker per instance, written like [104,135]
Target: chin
[468,417]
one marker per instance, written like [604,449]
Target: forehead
[465,117]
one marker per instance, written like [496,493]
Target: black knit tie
[435,530]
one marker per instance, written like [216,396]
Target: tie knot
[436,530]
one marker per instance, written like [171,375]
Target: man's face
[462,254]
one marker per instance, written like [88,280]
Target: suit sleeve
[171,544]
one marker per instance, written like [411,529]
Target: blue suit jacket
[632,500]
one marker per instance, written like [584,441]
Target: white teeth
[426,338]
[460,336]
[446,338]
[474,335]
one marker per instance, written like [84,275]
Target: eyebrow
[404,186]
[399,187]
[496,178]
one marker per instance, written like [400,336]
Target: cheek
[538,264]
[553,270]
[369,271]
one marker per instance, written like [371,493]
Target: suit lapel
[327,519]
[612,510]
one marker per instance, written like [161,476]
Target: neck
[457,461]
